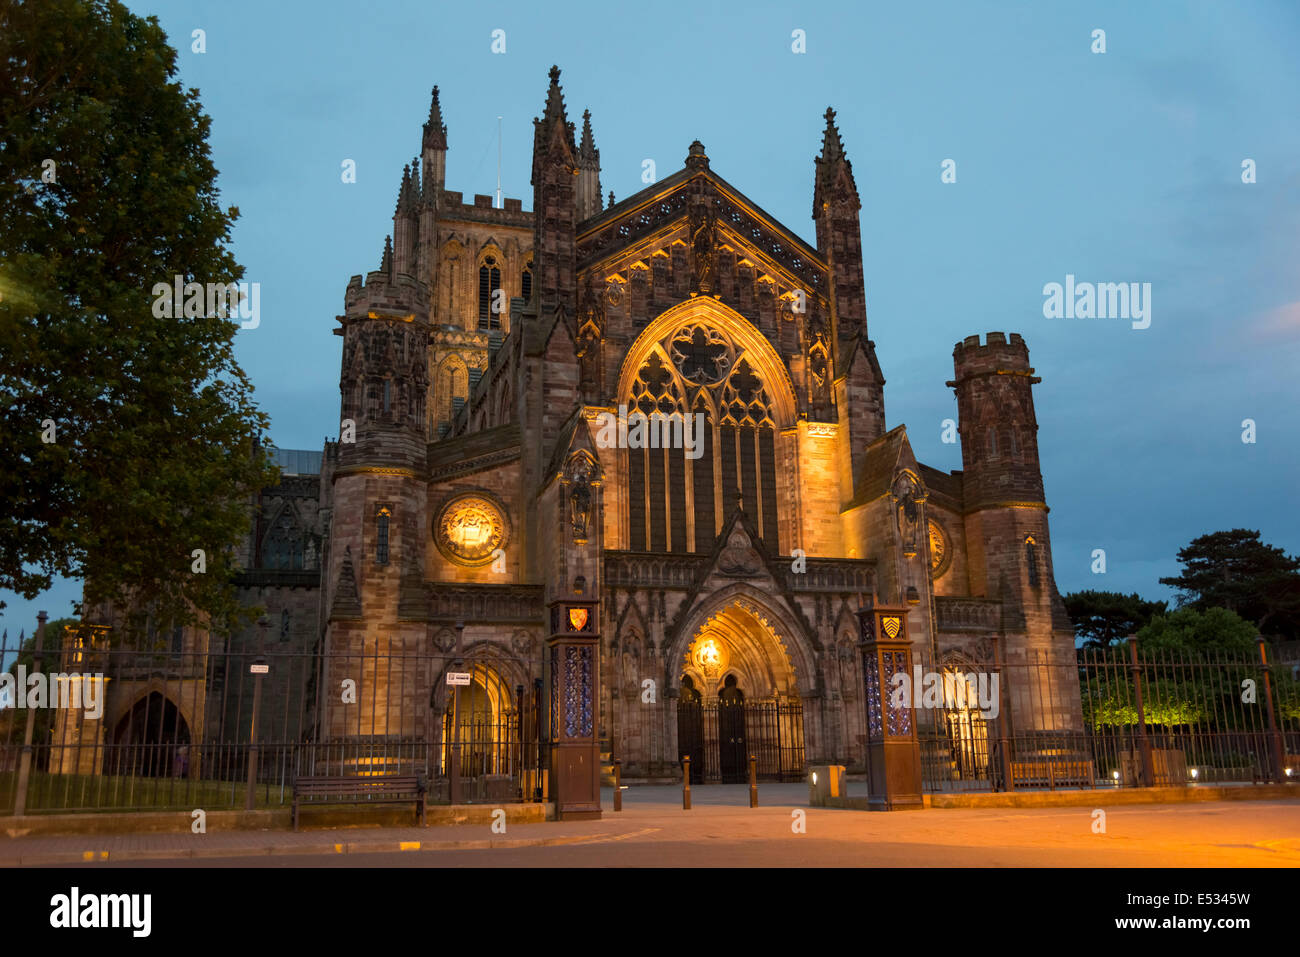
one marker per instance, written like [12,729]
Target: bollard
[618,784]
[686,783]
[753,781]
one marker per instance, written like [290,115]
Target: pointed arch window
[283,545]
[489,281]
[716,405]
[383,514]
[526,281]
[1031,560]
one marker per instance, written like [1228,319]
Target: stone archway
[738,662]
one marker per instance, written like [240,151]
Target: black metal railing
[1123,716]
[235,729]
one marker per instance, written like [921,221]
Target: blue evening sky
[1116,167]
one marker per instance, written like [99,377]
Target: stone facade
[474,480]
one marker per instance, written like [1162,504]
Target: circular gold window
[940,553]
[470,528]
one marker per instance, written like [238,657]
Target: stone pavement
[721,830]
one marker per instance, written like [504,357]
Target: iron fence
[134,728]
[1122,716]
[720,737]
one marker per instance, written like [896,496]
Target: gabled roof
[884,458]
[670,185]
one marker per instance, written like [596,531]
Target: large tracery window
[283,545]
[678,502]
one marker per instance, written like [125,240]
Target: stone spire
[404,191]
[834,171]
[553,133]
[554,98]
[588,171]
[556,204]
[434,150]
[386,263]
[435,131]
[587,149]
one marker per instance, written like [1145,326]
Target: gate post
[25,761]
[1144,743]
[893,752]
[1003,719]
[1274,736]
[573,665]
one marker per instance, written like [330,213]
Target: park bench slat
[380,788]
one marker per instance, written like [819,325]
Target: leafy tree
[1214,635]
[1193,665]
[1235,570]
[107,189]
[1102,618]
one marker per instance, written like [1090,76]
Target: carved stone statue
[702,248]
[580,507]
[909,516]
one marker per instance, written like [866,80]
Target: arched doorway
[151,740]
[738,678]
[480,722]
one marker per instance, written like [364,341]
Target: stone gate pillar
[893,752]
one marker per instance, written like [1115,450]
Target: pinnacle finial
[696,158]
[832,146]
[435,131]
[386,263]
[587,149]
[404,191]
[554,97]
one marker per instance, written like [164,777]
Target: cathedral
[475,484]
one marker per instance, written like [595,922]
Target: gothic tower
[859,383]
[378,536]
[1007,540]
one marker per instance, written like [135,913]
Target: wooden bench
[1062,772]
[356,789]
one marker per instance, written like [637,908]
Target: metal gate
[721,734]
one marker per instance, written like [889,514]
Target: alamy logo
[974,691]
[658,430]
[56,690]
[102,910]
[1102,300]
[193,300]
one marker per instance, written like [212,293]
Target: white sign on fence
[259,669]
[458,677]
